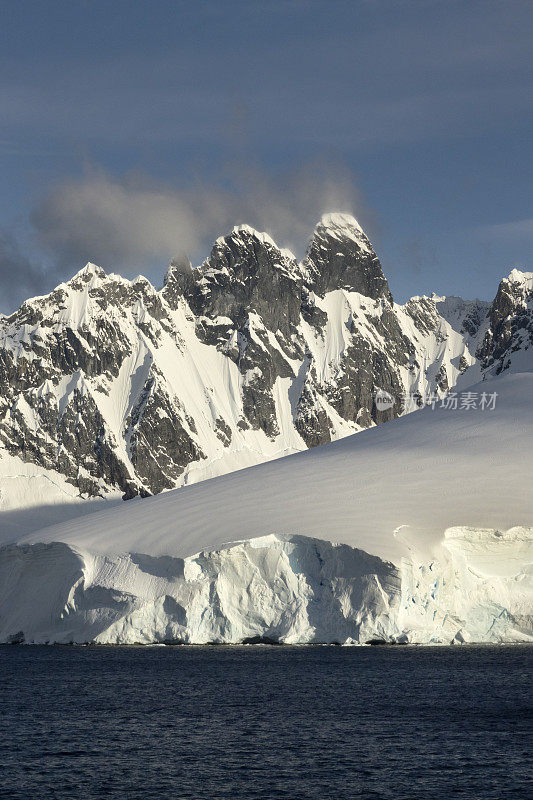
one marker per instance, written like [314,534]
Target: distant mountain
[111,388]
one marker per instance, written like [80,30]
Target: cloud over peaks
[123,222]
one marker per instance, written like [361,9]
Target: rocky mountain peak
[340,256]
[520,279]
[86,279]
[246,272]
[101,385]
[513,295]
[179,281]
[247,252]
[90,271]
[510,321]
[246,232]
[343,225]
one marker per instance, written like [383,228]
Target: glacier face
[283,589]
[479,589]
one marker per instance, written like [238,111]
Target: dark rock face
[441,379]
[246,272]
[49,411]
[312,421]
[247,288]
[340,256]
[474,319]
[160,438]
[510,323]
[73,441]
[423,312]
[119,387]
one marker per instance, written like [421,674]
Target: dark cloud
[358,74]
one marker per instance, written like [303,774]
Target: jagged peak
[422,298]
[142,279]
[88,274]
[243,230]
[453,299]
[513,292]
[260,236]
[263,236]
[69,294]
[517,276]
[340,256]
[92,276]
[243,240]
[339,219]
[337,225]
[179,267]
[90,270]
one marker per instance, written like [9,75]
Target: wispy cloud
[123,222]
[516,229]
[133,223]
[21,276]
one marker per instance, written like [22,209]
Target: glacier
[379,537]
[270,589]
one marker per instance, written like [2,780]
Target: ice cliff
[283,589]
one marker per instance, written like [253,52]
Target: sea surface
[265,722]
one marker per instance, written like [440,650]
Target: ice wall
[288,589]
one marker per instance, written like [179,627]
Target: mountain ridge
[117,388]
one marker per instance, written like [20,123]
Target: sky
[134,132]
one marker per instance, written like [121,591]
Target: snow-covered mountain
[416,531]
[109,388]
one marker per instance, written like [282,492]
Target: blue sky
[132,131]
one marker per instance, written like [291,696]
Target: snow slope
[382,535]
[32,497]
[419,475]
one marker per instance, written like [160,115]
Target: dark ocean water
[265,722]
